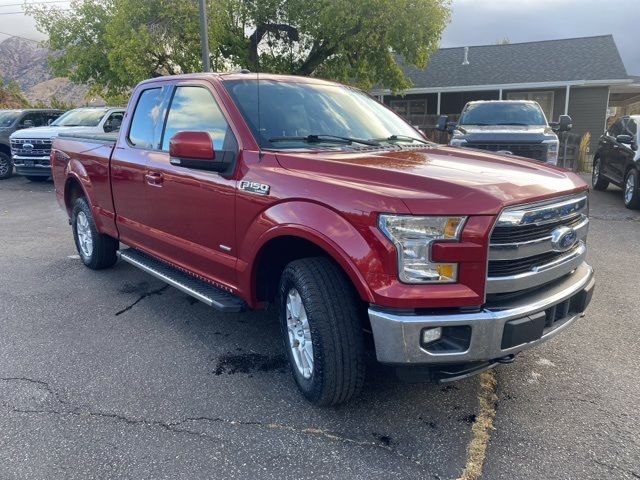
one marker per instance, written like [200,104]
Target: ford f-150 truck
[511,127]
[31,148]
[248,190]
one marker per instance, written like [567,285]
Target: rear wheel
[6,166]
[96,250]
[632,190]
[36,178]
[322,332]
[597,180]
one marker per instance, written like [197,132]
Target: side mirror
[443,123]
[27,124]
[195,150]
[565,123]
[108,128]
[628,140]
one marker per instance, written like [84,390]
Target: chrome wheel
[299,334]
[629,188]
[85,237]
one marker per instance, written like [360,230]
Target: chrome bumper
[397,336]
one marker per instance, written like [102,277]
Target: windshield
[7,117]
[301,115]
[80,118]
[508,113]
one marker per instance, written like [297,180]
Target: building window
[544,99]
[413,110]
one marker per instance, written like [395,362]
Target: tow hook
[507,359]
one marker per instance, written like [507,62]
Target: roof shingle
[587,58]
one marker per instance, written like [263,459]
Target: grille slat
[526,233]
[41,147]
[536,151]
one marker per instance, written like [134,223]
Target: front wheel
[318,311]
[96,250]
[6,166]
[632,190]
[597,180]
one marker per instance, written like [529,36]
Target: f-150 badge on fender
[255,187]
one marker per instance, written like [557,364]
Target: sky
[481,22]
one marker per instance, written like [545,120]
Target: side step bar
[213,296]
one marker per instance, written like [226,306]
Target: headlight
[413,237]
[552,151]
[457,142]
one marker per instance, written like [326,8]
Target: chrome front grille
[37,147]
[536,151]
[535,244]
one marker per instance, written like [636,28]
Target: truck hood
[50,132]
[504,133]
[443,180]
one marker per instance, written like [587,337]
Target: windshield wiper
[400,138]
[325,139]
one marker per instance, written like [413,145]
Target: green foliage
[11,96]
[111,45]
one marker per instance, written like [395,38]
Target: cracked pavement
[113,374]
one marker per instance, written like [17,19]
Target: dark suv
[617,160]
[12,120]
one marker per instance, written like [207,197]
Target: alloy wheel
[85,237]
[299,334]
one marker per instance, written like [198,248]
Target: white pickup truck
[31,147]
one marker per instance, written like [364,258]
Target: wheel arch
[4,148]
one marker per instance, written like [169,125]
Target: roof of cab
[228,76]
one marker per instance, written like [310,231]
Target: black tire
[597,180]
[331,308]
[632,193]
[36,178]
[6,166]
[104,248]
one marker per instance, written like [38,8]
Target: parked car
[31,147]
[315,198]
[511,127]
[617,160]
[12,120]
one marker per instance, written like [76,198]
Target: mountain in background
[26,62]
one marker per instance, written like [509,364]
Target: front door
[192,212]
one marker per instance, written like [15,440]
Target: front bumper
[533,317]
[32,166]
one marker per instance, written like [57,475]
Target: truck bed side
[80,164]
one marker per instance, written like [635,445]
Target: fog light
[431,335]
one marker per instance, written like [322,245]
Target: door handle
[154,178]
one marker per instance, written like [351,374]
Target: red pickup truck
[245,191]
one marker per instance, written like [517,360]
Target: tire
[332,327]
[632,190]
[36,178]
[97,251]
[597,180]
[6,166]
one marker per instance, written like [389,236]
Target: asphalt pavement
[113,374]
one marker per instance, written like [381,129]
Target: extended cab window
[194,109]
[145,118]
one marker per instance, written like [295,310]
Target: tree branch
[264,28]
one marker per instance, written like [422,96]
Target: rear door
[192,211]
[129,164]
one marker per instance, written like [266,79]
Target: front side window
[145,118]
[193,109]
[502,113]
[32,119]
[291,112]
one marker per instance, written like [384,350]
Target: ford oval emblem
[27,146]
[563,238]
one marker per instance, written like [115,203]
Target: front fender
[352,248]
